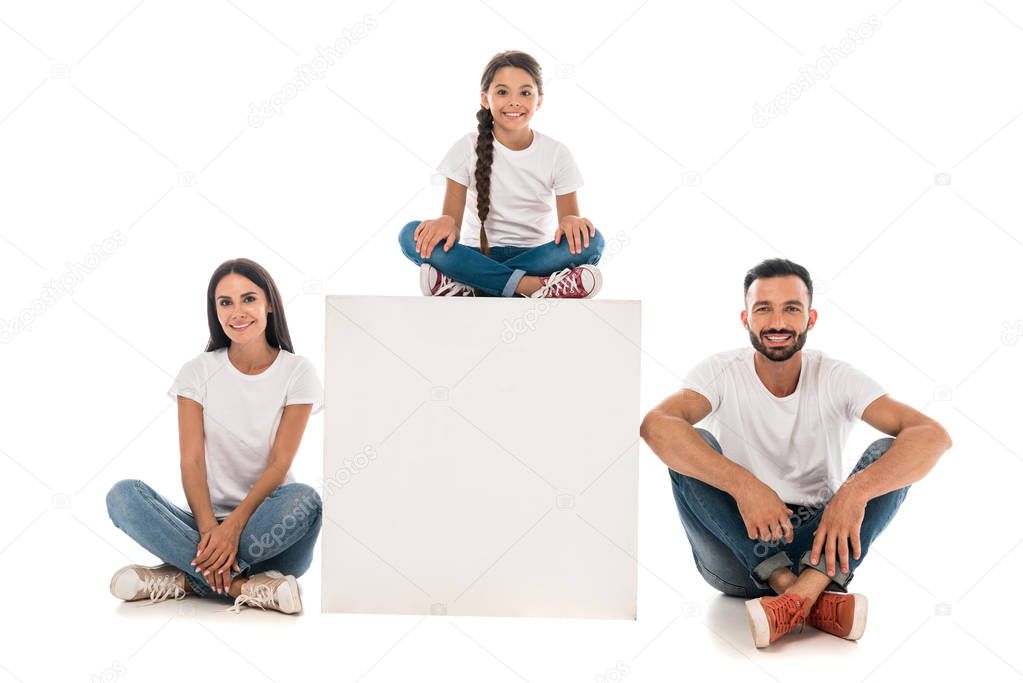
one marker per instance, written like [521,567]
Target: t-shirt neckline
[239,373]
[760,383]
[518,152]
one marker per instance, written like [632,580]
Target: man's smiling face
[778,316]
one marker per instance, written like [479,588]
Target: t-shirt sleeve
[456,163]
[305,386]
[190,382]
[704,379]
[567,178]
[852,390]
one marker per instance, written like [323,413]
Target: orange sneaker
[840,614]
[772,617]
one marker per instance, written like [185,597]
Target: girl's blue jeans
[279,535]
[499,274]
[732,563]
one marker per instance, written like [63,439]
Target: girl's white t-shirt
[523,185]
[241,414]
[792,443]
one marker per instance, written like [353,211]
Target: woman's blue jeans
[732,563]
[279,535]
[499,274]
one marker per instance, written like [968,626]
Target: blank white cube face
[481,456]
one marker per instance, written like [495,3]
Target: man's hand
[838,529]
[767,518]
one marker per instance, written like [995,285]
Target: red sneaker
[581,282]
[840,614]
[432,282]
[772,617]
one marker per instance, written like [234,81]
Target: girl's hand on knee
[577,231]
[429,234]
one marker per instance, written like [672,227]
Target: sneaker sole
[859,618]
[598,281]
[758,624]
[122,582]
[424,279]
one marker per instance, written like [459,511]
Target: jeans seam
[202,587]
[721,530]
[738,588]
[151,501]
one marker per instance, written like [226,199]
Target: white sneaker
[432,282]
[271,590]
[159,583]
[581,282]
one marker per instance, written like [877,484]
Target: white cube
[481,456]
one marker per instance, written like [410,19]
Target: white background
[135,118]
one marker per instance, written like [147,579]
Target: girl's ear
[539,101]
[483,101]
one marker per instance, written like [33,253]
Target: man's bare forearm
[910,458]
[681,448]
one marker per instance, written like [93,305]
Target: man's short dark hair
[777,267]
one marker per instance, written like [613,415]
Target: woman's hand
[216,553]
[577,231]
[429,234]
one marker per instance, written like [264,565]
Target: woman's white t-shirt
[523,185]
[241,414]
[792,443]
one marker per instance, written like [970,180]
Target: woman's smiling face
[241,308]
[512,97]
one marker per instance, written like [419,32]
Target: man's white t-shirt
[523,185]
[794,443]
[241,414]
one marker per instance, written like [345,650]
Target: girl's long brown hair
[485,127]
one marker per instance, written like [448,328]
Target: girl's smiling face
[241,308]
[512,99]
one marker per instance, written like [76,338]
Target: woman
[243,406]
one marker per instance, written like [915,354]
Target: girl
[242,408]
[509,172]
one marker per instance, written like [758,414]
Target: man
[761,495]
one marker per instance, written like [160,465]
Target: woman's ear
[483,101]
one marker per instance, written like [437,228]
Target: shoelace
[561,282]
[784,613]
[162,588]
[449,287]
[262,598]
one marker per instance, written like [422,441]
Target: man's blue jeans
[499,274]
[279,535]
[732,563]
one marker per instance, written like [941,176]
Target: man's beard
[779,353]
